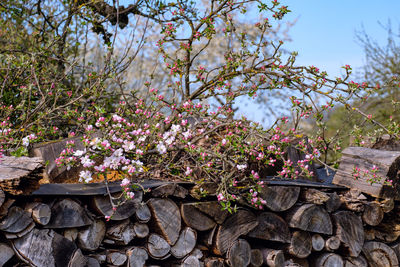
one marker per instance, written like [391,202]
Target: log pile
[170,227]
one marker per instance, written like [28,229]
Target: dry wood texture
[271,227]
[349,230]
[379,254]
[280,198]
[310,217]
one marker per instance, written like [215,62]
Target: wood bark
[171,189]
[185,243]
[310,217]
[137,257]
[103,207]
[300,244]
[20,175]
[373,214]
[349,229]
[280,198]
[157,246]
[239,223]
[379,254]
[272,257]
[68,213]
[196,219]
[91,237]
[166,217]
[318,242]
[239,254]
[44,248]
[388,163]
[6,253]
[40,212]
[329,260]
[16,221]
[314,196]
[271,227]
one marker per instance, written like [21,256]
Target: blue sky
[324,34]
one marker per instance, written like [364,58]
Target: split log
[239,254]
[20,175]
[16,221]
[296,262]
[189,261]
[388,230]
[300,244]
[387,205]
[20,234]
[369,234]
[68,213]
[333,202]
[214,262]
[166,218]
[71,234]
[102,205]
[349,229]
[239,223]
[373,214]
[91,237]
[116,258]
[256,258]
[44,248]
[359,261]
[332,243]
[352,204]
[171,189]
[6,253]
[379,255]
[141,230]
[271,227]
[194,218]
[5,207]
[185,243]
[137,257]
[310,217]
[157,246]
[78,259]
[143,213]
[214,210]
[329,260]
[208,237]
[272,257]
[388,163]
[396,249]
[2,197]
[122,233]
[318,242]
[40,212]
[314,196]
[280,198]
[92,262]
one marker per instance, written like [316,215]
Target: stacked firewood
[301,226]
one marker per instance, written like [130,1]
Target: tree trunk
[350,231]
[185,243]
[329,260]
[157,246]
[318,242]
[271,227]
[310,217]
[273,258]
[280,198]
[379,255]
[91,237]
[373,214]
[388,163]
[300,244]
[194,218]
[137,257]
[239,254]
[166,217]
[239,223]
